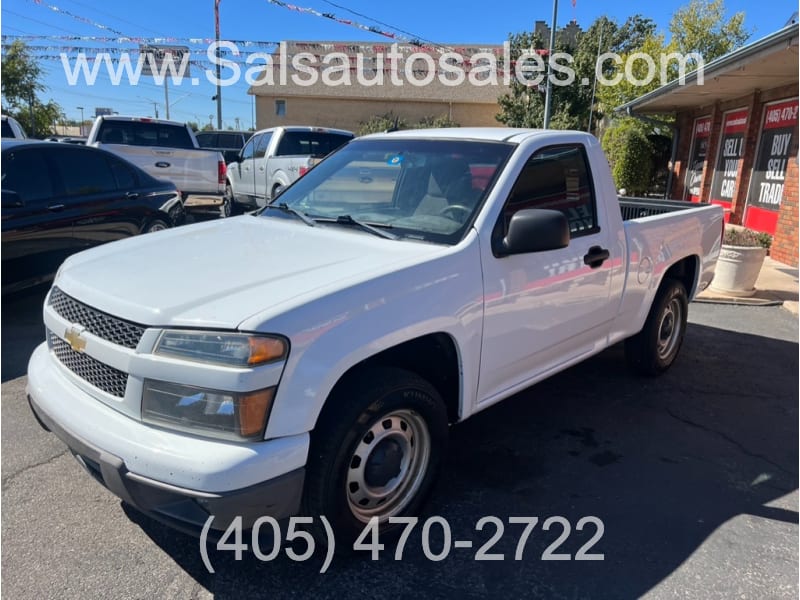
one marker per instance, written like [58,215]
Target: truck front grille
[112,329]
[100,375]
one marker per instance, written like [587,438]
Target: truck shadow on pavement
[662,462]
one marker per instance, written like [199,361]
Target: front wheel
[653,350]
[375,452]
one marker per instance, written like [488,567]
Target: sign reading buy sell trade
[731,150]
[769,173]
[697,162]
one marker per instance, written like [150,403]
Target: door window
[263,144]
[556,178]
[124,175]
[83,172]
[26,173]
[247,151]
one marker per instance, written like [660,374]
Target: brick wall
[784,246]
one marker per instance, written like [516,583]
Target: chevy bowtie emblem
[74,339]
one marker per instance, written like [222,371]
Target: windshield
[421,189]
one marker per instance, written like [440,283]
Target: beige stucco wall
[345,113]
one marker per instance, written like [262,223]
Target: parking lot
[694,476]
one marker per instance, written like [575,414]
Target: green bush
[381,123]
[629,153]
[746,238]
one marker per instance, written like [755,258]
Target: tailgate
[191,171]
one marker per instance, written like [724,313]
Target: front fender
[335,332]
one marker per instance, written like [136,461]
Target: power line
[363,16]
[115,17]
[16,14]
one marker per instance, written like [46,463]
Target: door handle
[55,207]
[163,164]
[132,195]
[596,257]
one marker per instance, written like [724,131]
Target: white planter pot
[737,270]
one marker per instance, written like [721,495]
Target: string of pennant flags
[370,28]
[312,47]
[134,40]
[353,65]
[387,33]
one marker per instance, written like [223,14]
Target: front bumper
[149,468]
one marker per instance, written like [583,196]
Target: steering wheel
[457,208]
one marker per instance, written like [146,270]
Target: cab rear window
[142,133]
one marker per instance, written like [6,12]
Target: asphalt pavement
[694,476]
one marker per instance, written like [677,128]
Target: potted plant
[740,260]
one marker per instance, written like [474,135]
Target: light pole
[80,108]
[548,100]
[219,85]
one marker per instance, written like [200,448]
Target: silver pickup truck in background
[167,150]
[273,159]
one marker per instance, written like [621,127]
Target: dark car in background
[59,199]
[229,143]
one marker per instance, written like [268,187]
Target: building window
[280,108]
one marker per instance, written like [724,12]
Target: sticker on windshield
[395,160]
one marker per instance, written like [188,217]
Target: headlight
[228,415]
[222,348]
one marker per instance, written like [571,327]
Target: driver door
[242,173]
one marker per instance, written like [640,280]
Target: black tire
[276,190]
[379,420]
[155,225]
[228,207]
[653,350]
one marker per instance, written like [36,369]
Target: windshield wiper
[373,228]
[283,207]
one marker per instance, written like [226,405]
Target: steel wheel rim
[156,227]
[407,430]
[669,329]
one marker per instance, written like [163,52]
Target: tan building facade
[289,98]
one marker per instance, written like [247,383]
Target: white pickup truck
[272,159]
[409,281]
[167,150]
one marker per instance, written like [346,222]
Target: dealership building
[736,134]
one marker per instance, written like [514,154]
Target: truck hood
[217,274]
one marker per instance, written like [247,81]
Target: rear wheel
[228,207]
[375,452]
[155,225]
[277,190]
[653,350]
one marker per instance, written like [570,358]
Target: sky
[444,22]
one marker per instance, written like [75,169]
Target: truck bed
[636,208]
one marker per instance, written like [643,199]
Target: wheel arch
[686,271]
[433,356]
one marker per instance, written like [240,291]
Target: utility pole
[548,100]
[237,123]
[219,85]
[80,108]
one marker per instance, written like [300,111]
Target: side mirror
[11,199]
[534,230]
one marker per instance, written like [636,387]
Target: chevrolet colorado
[309,358]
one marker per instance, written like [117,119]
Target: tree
[630,155]
[21,84]
[523,105]
[700,27]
